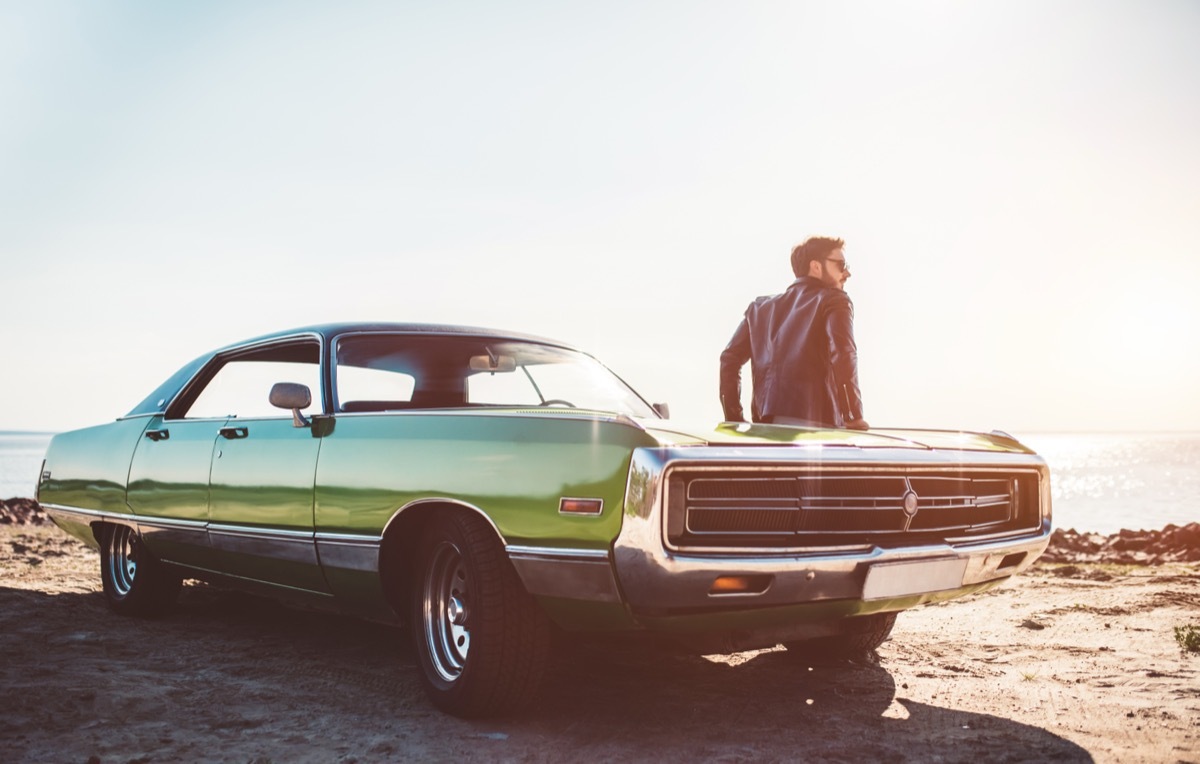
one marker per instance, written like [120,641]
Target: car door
[261,502]
[168,487]
[226,460]
[260,483]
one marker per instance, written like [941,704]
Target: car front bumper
[796,594]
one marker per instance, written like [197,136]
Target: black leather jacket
[802,355]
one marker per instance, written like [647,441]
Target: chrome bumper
[653,581]
[666,583]
[659,581]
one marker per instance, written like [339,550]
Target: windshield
[391,372]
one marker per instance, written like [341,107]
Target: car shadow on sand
[224,663]
[774,705]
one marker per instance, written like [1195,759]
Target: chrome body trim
[659,580]
[86,516]
[349,551]
[555,553]
[250,531]
[440,500]
[267,543]
[170,523]
[578,574]
[346,538]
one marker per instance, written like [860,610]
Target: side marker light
[568,506]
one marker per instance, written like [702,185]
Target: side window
[242,386]
[508,389]
[361,389]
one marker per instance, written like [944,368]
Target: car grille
[709,508]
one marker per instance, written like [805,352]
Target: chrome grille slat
[853,507]
[722,508]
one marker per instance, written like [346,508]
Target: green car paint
[89,468]
[516,467]
[261,480]
[373,469]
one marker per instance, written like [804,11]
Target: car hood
[678,433]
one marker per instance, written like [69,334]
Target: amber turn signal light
[740,584]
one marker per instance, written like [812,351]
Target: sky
[1017,183]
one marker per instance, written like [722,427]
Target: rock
[1171,544]
[21,512]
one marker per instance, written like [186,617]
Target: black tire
[482,642]
[135,582]
[864,635]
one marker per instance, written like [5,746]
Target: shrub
[1188,638]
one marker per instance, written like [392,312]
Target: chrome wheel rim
[445,609]
[122,560]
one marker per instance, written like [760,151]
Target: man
[801,349]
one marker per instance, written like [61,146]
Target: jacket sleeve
[843,354]
[733,358]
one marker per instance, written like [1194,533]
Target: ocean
[21,455]
[1103,482]
[1100,482]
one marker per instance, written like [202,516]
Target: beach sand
[1073,661]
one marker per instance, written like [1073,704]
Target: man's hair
[816,248]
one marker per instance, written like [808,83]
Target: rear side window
[365,389]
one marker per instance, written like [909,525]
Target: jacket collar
[808,281]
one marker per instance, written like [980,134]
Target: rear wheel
[135,582]
[482,641]
[864,634]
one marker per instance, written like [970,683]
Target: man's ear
[814,268]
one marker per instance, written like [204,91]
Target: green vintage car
[493,490]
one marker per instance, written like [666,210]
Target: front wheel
[135,582]
[482,641]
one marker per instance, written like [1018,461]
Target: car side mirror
[663,410]
[294,396]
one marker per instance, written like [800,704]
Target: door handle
[233,433]
[162,434]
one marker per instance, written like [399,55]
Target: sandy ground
[1067,663]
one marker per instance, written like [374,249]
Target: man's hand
[857,424]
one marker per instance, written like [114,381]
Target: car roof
[164,393]
[327,331]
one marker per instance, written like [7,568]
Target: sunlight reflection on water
[1104,482]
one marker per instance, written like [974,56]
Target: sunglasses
[841,262]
